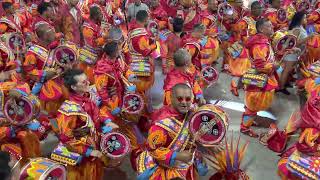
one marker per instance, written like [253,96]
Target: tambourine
[21,111]
[43,169]
[14,41]
[153,27]
[282,15]
[225,9]
[209,75]
[65,55]
[132,103]
[303,5]
[209,124]
[282,41]
[115,146]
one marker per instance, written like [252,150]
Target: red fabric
[165,112]
[278,141]
[88,106]
[171,11]
[177,76]
[310,115]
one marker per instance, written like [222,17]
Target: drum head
[304,5]
[18,112]
[153,27]
[15,42]
[64,55]
[115,145]
[133,103]
[282,15]
[210,75]
[43,169]
[211,123]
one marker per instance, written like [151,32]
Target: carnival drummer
[169,146]
[79,125]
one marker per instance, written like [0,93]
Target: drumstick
[125,109]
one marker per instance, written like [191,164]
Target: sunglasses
[186,99]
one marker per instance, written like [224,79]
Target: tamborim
[132,103]
[43,169]
[21,111]
[209,75]
[115,146]
[282,15]
[153,27]
[210,123]
[14,41]
[64,55]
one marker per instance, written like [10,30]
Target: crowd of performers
[82,70]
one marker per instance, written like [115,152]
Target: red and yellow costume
[168,135]
[308,143]
[38,61]
[191,17]
[160,16]
[177,76]
[272,14]
[110,74]
[81,112]
[204,51]
[21,142]
[257,99]
[313,45]
[141,48]
[71,24]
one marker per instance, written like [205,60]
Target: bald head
[181,58]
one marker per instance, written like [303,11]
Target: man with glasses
[169,148]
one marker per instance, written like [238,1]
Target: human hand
[202,101]
[96,153]
[184,156]
[50,74]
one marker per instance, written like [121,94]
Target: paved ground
[260,163]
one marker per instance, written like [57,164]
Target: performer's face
[82,85]
[182,100]
[267,29]
[256,10]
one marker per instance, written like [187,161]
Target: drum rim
[223,134]
[127,148]
[62,47]
[30,115]
[220,6]
[9,35]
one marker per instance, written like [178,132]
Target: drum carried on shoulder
[209,124]
[65,55]
[283,41]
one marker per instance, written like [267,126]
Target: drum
[64,55]
[209,75]
[210,123]
[14,41]
[253,78]
[235,50]
[303,166]
[43,169]
[303,5]
[63,155]
[21,111]
[132,106]
[282,15]
[225,9]
[115,146]
[283,41]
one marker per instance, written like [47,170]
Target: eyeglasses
[186,99]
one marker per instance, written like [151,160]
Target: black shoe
[284,91]
[289,85]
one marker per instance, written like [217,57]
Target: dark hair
[110,48]
[141,16]
[176,178]
[259,23]
[6,5]
[43,7]
[255,4]
[296,20]
[68,77]
[179,57]
[94,11]
[5,169]
[177,24]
